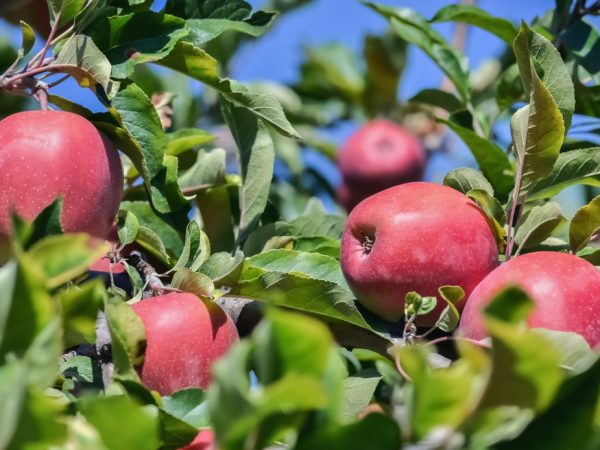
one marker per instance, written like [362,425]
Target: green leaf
[573,167]
[322,245]
[181,415]
[492,160]
[298,370]
[257,159]
[473,15]
[538,132]
[186,139]
[25,301]
[193,282]
[187,405]
[532,50]
[438,98]
[151,242]
[300,292]
[217,219]
[47,223]
[414,28]
[318,267]
[79,308]
[128,338]
[385,57]
[358,393]
[466,179]
[576,354]
[128,226]
[191,246]
[331,70]
[80,58]
[584,225]
[108,414]
[577,398]
[374,432]
[198,64]
[27,40]
[139,118]
[205,30]
[132,39]
[209,170]
[64,257]
[510,305]
[69,9]
[450,317]
[490,206]
[583,40]
[231,9]
[439,397]
[521,375]
[223,268]
[537,224]
[510,87]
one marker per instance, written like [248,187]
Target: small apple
[378,156]
[185,336]
[415,237]
[205,440]
[45,154]
[564,288]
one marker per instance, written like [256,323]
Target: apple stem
[399,367]
[514,212]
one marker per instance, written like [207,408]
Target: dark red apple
[205,440]
[44,154]
[415,237]
[565,289]
[378,156]
[185,337]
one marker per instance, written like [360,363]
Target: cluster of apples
[46,154]
[418,236]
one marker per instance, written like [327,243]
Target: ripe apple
[415,237]
[378,156]
[205,440]
[44,154]
[185,337]
[564,288]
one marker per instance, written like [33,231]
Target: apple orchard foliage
[313,358]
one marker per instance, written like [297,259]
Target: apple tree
[161,287]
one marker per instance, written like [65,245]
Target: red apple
[380,155]
[565,289]
[185,337]
[415,237]
[205,440]
[49,153]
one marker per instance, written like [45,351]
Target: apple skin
[424,236]
[378,156]
[205,440]
[44,154]
[185,337]
[564,288]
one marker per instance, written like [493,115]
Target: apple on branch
[378,156]
[564,288]
[415,237]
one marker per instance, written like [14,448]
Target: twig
[50,39]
